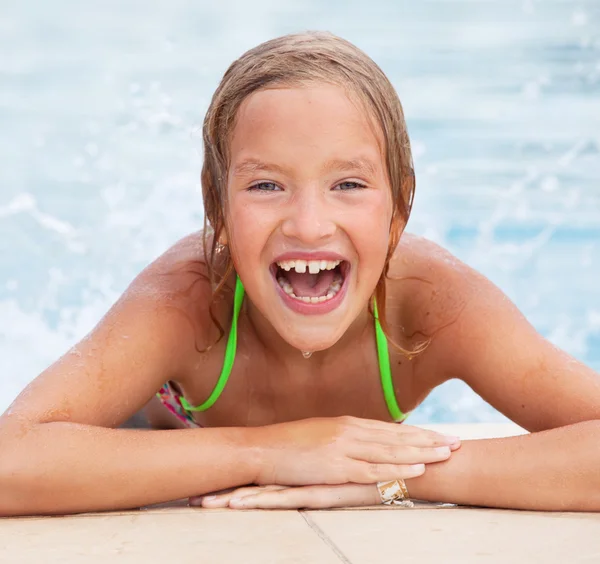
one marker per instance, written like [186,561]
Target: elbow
[17,480]
[13,501]
[586,466]
[593,501]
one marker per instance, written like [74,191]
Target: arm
[493,348]
[61,467]
[554,470]
[486,342]
[59,452]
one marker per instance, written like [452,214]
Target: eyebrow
[363,165]
[252,165]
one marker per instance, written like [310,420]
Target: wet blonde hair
[293,60]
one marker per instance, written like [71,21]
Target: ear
[223,238]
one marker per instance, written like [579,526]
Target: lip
[302,307]
[314,255]
[313,309]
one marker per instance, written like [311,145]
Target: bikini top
[382,354]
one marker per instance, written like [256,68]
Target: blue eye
[345,186]
[264,187]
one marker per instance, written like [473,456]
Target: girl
[289,337]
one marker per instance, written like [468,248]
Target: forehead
[315,121]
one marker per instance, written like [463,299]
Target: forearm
[57,468]
[555,470]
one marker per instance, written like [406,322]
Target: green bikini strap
[229,353]
[382,353]
[385,371]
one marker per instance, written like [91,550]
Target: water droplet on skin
[306,354]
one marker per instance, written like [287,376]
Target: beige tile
[166,536]
[461,535]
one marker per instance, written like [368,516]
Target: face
[309,210]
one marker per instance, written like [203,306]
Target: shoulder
[150,335]
[165,278]
[431,284]
[176,288]
[417,255]
[480,337]
[443,301]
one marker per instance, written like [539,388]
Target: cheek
[241,224]
[249,229]
[373,222]
[376,245]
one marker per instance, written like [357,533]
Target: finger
[455,446]
[392,433]
[197,499]
[388,454]
[369,473]
[311,497]
[222,500]
[420,437]
[435,438]
[378,424]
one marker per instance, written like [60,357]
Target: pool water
[100,110]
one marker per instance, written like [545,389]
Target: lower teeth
[333,290]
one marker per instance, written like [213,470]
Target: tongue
[310,285]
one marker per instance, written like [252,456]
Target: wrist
[256,457]
[446,481]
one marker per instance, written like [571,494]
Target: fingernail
[209,497]
[417,468]
[443,451]
[236,501]
[451,439]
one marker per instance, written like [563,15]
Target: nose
[309,218]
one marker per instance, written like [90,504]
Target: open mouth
[311,282]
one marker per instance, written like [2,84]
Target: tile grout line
[324,537]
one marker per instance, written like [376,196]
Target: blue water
[101,105]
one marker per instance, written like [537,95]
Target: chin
[315,340]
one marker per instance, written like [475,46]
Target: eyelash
[256,187]
[357,185]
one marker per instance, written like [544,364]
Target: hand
[283,497]
[342,450]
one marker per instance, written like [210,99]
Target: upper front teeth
[314,266]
